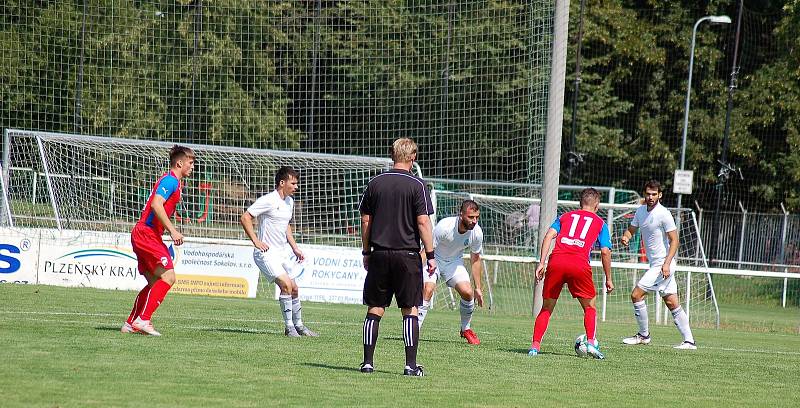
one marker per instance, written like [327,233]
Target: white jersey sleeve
[668,221]
[260,206]
[635,221]
[476,243]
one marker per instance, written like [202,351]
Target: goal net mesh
[510,227]
[96,183]
[467,79]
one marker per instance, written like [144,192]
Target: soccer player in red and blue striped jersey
[155,261]
[576,233]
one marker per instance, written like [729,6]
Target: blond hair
[404,150]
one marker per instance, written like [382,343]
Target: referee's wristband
[366,253]
[430,255]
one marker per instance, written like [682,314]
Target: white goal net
[101,184]
[510,227]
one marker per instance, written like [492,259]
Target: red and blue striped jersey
[169,187]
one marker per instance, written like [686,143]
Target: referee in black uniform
[395,216]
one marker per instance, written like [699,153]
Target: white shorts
[453,273]
[274,263]
[652,281]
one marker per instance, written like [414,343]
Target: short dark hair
[284,173]
[652,184]
[589,196]
[469,205]
[179,153]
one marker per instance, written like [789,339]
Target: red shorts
[578,278]
[149,249]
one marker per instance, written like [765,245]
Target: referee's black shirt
[394,199]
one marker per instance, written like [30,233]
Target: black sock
[411,339]
[370,336]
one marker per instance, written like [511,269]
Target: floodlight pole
[714,19]
[555,120]
[725,168]
[574,158]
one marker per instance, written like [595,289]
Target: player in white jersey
[273,213]
[660,240]
[450,237]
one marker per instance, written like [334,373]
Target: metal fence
[753,240]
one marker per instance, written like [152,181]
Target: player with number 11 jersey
[575,233]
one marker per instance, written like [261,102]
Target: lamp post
[713,20]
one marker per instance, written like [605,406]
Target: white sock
[422,311]
[467,307]
[682,323]
[285,302]
[640,311]
[297,317]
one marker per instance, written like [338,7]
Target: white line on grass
[191,318]
[11,312]
[328,323]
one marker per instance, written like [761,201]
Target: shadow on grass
[241,330]
[337,368]
[426,340]
[107,328]
[212,329]
[541,353]
[398,373]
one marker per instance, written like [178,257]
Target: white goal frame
[35,145]
[687,265]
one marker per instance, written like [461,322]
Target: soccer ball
[580,346]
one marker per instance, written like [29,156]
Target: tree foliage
[633,92]
[457,76]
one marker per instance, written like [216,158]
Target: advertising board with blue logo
[19,253]
[105,260]
[102,260]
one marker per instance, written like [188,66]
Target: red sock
[539,327]
[138,304]
[590,322]
[157,293]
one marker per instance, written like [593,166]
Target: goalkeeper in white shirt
[273,213]
[450,237]
[660,240]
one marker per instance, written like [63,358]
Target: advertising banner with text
[102,260]
[19,253]
[330,274]
[216,269]
[105,260]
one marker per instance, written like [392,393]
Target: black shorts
[393,272]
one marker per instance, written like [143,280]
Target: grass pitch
[62,347]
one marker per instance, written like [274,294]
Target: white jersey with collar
[273,215]
[654,226]
[449,244]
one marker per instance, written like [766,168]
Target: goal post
[511,253]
